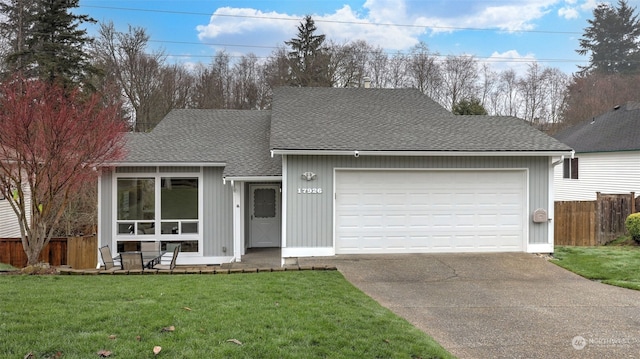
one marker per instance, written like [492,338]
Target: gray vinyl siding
[217,213]
[217,209]
[309,221]
[106,208]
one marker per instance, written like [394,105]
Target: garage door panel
[429,211]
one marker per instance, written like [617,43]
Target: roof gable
[391,120]
[614,130]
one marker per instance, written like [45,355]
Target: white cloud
[345,25]
[590,5]
[341,26]
[255,27]
[233,21]
[511,59]
[569,13]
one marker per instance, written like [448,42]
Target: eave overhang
[357,153]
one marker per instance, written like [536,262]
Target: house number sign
[312,190]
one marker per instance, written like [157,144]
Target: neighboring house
[9,227]
[332,171]
[607,156]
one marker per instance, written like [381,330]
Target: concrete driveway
[507,305]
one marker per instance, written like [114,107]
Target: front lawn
[615,265]
[309,314]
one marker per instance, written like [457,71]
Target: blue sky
[506,33]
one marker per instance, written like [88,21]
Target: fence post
[633,202]
[599,233]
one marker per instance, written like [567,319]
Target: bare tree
[397,71]
[350,62]
[488,84]
[533,94]
[591,95]
[377,68]
[174,91]
[508,88]
[556,89]
[459,79]
[247,90]
[424,71]
[123,56]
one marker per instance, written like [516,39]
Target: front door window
[264,203]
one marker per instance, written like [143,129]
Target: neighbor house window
[165,208]
[570,168]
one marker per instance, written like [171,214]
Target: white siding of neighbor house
[8,222]
[605,172]
[9,227]
[309,218]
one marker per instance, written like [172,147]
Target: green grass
[310,314]
[615,265]
[7,267]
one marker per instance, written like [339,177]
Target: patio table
[150,258]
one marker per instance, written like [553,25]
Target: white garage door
[421,211]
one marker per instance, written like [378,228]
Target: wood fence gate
[593,223]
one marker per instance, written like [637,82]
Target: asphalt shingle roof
[326,119]
[391,120]
[615,130]
[239,138]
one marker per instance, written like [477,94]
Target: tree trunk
[33,250]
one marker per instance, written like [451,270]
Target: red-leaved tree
[51,142]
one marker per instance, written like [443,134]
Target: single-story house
[607,155]
[332,171]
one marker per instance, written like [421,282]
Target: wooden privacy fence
[77,252]
[592,223]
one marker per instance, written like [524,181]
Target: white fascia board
[165,164]
[357,153]
[254,179]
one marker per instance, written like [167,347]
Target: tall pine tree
[47,41]
[612,40]
[308,58]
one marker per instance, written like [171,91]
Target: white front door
[264,217]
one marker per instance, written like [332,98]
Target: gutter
[358,153]
[165,164]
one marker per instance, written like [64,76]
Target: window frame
[570,168]
[158,175]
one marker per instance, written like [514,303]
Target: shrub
[633,226]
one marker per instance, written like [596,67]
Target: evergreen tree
[469,107]
[308,58]
[612,40]
[18,16]
[47,42]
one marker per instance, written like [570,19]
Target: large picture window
[179,205]
[165,207]
[136,206]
